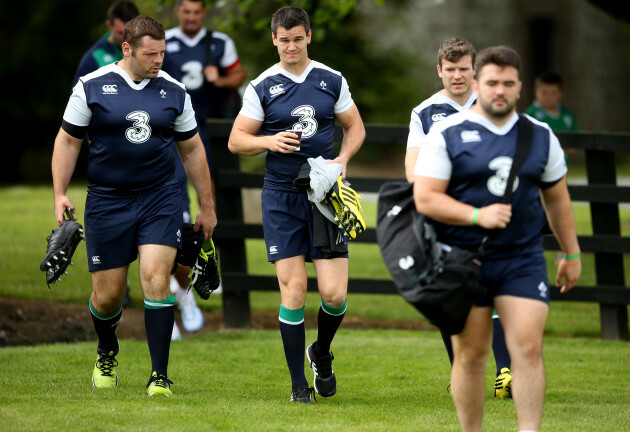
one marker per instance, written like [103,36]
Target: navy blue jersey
[283,101]
[186,58]
[430,111]
[132,128]
[476,157]
[102,53]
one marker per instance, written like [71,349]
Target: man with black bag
[456,58]
[460,179]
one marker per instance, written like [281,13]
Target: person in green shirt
[107,49]
[548,107]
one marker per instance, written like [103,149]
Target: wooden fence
[601,192]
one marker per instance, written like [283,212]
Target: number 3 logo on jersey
[140,131]
[307,123]
[497,183]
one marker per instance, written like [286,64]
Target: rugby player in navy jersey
[207,63]
[137,118]
[299,94]
[459,181]
[456,57]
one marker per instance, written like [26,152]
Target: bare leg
[108,289]
[471,348]
[524,322]
[332,280]
[156,262]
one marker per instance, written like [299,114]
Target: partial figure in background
[108,48]
[456,59]
[207,63]
[547,106]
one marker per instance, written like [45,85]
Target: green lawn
[388,380]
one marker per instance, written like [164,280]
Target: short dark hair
[289,17]
[550,78]
[203,3]
[123,10]
[454,49]
[140,27]
[501,56]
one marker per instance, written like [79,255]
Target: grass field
[389,380]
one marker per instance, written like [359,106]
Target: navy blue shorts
[288,226]
[521,276]
[115,226]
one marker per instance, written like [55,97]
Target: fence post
[601,169]
[232,256]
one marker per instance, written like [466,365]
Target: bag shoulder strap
[525,135]
[523,144]
[208,45]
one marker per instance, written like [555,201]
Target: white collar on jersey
[191,42]
[123,73]
[445,99]
[478,118]
[439,98]
[309,67]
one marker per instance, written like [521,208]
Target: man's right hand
[211,73]
[206,220]
[61,203]
[494,216]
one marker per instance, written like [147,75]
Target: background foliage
[43,41]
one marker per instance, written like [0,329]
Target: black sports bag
[439,281]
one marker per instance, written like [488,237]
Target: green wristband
[474,218]
[572,257]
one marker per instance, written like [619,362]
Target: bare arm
[557,205]
[193,157]
[233,79]
[353,136]
[244,141]
[411,156]
[64,160]
[431,200]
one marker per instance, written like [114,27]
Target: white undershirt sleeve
[345,102]
[416,132]
[77,111]
[252,107]
[433,160]
[556,166]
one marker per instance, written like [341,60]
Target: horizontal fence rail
[601,192]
